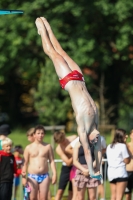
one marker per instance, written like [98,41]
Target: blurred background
[97,34]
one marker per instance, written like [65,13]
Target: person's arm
[76,161]
[25,165]
[98,154]
[69,149]
[16,170]
[129,151]
[63,156]
[125,154]
[126,160]
[103,145]
[103,151]
[53,166]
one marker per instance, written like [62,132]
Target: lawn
[19,138]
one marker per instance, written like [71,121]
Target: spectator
[36,156]
[129,168]
[82,177]
[8,168]
[118,157]
[18,152]
[63,141]
[69,149]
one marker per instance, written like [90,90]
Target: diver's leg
[58,48]
[61,67]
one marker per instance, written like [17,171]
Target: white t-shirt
[115,157]
[73,143]
[103,142]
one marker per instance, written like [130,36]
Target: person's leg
[101,191]
[113,191]
[58,48]
[5,191]
[59,194]
[17,183]
[92,193]
[70,191]
[74,189]
[63,181]
[34,188]
[120,188]
[81,193]
[128,189]
[128,196]
[44,188]
[15,192]
[61,67]
[49,195]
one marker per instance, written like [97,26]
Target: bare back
[60,149]
[129,167]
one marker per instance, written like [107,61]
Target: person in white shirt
[118,157]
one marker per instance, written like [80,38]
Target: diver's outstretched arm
[98,154]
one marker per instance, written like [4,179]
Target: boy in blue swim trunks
[36,156]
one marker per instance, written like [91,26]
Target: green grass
[19,138]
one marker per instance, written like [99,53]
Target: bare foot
[47,25]
[40,25]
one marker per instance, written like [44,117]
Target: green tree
[51,102]
[97,34]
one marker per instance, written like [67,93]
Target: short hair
[59,136]
[6,141]
[39,127]
[30,132]
[18,147]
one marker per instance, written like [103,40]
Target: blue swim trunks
[38,178]
[17,181]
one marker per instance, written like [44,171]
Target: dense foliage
[97,34]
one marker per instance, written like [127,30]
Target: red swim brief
[74,75]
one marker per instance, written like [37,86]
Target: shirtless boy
[72,80]
[129,168]
[36,156]
[63,141]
